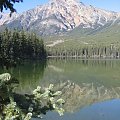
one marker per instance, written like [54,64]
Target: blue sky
[113,5]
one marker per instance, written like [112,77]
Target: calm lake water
[91,88]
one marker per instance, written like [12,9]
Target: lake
[91,88]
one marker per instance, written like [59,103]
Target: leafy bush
[39,102]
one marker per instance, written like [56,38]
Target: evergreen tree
[8,4]
[19,45]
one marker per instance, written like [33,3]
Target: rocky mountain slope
[60,16]
[6,19]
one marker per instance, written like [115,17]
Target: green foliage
[48,98]
[18,45]
[38,103]
[8,4]
[12,112]
[84,49]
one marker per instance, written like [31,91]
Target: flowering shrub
[48,99]
[39,102]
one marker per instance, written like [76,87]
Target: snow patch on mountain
[5,18]
[59,16]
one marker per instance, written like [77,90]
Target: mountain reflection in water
[88,86]
[109,110]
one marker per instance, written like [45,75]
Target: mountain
[6,19]
[61,16]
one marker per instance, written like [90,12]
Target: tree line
[18,45]
[87,51]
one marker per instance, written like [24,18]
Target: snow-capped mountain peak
[59,16]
